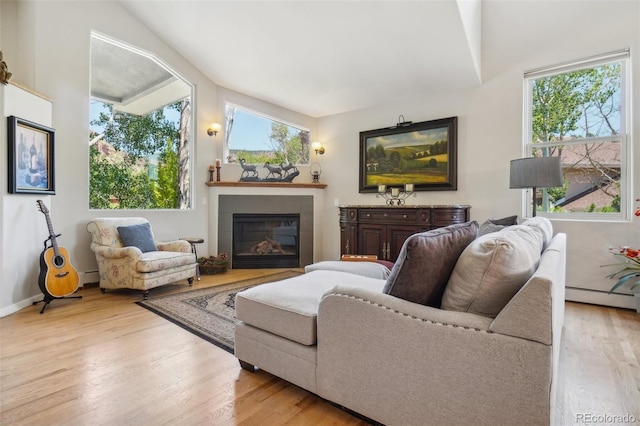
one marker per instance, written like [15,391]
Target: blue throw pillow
[138,236]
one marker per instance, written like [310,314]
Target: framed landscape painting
[31,166]
[423,154]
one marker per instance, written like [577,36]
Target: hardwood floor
[103,360]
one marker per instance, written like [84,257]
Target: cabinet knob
[386,215]
[404,216]
[368,214]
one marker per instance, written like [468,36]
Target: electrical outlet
[336,202]
[204,201]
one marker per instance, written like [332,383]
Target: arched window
[140,130]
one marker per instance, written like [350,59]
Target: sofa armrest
[116,252]
[177,245]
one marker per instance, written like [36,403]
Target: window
[139,130]
[580,112]
[258,139]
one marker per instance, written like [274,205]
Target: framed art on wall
[423,154]
[31,157]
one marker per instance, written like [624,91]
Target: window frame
[621,57]
[192,125]
[226,147]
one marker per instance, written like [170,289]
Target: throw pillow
[543,225]
[425,263]
[138,236]
[495,225]
[492,269]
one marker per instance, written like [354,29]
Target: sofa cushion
[495,225]
[152,261]
[492,269]
[138,236]
[543,225]
[367,269]
[289,308]
[425,263]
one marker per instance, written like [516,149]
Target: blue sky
[250,131]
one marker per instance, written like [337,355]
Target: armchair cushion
[492,269]
[139,235]
[425,263]
[162,260]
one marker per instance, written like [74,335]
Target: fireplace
[265,240]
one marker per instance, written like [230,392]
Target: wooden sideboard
[381,230]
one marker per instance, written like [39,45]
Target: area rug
[209,312]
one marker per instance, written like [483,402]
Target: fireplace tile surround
[226,200]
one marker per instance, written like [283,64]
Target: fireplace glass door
[265,241]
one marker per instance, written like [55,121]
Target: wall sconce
[318,148]
[395,196]
[214,129]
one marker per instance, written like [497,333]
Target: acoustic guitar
[58,277]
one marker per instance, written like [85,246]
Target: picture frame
[31,157]
[422,154]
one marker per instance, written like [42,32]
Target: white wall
[23,226]
[517,36]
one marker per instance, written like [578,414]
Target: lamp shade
[536,172]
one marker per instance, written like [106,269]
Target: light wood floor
[104,360]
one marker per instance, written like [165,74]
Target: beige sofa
[339,336]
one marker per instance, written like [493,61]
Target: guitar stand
[48,299]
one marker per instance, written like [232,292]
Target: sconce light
[214,129]
[401,122]
[318,148]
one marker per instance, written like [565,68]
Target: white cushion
[289,308]
[544,225]
[492,269]
[366,269]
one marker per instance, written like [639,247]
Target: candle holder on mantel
[395,196]
[218,166]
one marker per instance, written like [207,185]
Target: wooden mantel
[268,184]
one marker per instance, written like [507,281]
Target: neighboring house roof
[591,160]
[605,153]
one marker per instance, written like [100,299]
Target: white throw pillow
[544,225]
[492,269]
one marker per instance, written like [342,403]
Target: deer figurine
[273,171]
[248,169]
[286,168]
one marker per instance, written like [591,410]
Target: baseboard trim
[600,297]
[8,310]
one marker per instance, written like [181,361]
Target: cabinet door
[396,235]
[371,238]
[348,240]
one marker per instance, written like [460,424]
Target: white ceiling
[323,57]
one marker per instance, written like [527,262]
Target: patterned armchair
[127,266]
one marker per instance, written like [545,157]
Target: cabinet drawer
[387,215]
[448,216]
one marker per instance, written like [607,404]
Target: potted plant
[214,264]
[630,272]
